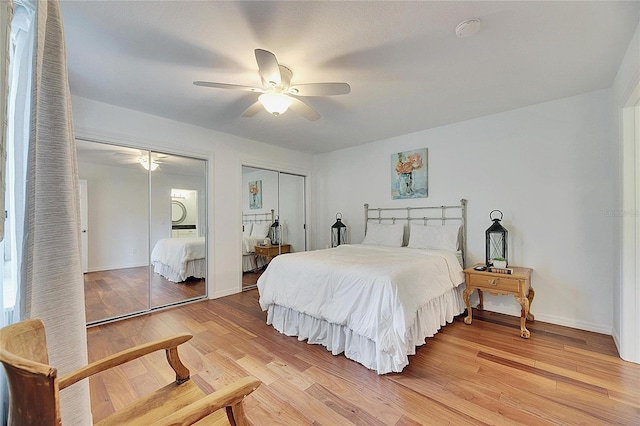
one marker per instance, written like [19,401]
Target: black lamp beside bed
[338,232]
[274,232]
[496,240]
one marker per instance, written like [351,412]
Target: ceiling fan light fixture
[275,103]
[468,28]
[144,162]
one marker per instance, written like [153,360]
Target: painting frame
[409,174]
[255,195]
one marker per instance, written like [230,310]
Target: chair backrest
[33,388]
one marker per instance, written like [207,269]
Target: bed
[255,231]
[178,259]
[376,301]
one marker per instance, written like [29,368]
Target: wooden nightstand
[518,284]
[271,251]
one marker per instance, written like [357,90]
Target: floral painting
[409,174]
[255,194]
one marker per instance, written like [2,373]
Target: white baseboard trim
[113,267]
[553,319]
[229,292]
[616,339]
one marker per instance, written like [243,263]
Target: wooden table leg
[530,296]
[524,303]
[465,296]
[481,303]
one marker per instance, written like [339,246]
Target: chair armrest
[229,396]
[169,344]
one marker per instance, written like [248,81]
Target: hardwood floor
[476,374]
[119,292]
[249,279]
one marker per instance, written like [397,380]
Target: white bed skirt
[338,339]
[249,262]
[194,268]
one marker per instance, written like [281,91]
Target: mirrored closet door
[178,219]
[142,211]
[273,219]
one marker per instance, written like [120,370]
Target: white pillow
[384,235]
[246,232]
[260,230]
[442,237]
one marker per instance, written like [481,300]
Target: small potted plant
[499,262]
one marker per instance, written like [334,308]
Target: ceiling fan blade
[320,89]
[252,110]
[268,68]
[227,86]
[303,109]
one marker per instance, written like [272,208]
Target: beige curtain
[52,285]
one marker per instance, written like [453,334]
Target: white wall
[548,167]
[118,222]
[226,154]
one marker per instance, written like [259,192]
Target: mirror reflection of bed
[256,230]
[129,209]
[180,258]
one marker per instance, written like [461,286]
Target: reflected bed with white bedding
[376,301]
[177,259]
[255,231]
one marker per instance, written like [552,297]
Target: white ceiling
[407,69]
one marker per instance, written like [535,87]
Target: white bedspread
[176,252]
[375,291]
[249,244]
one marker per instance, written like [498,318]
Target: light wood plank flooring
[250,279]
[476,374]
[119,292]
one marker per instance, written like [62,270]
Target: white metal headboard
[257,218]
[427,215]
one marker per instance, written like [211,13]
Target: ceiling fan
[133,156]
[278,94]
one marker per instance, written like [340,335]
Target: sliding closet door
[178,223]
[292,211]
[135,199]
[117,190]
[267,192]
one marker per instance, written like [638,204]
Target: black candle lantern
[274,232]
[338,232]
[496,237]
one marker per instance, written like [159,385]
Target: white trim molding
[627,334]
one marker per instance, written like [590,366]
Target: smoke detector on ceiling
[468,28]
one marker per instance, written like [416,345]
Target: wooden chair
[34,386]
